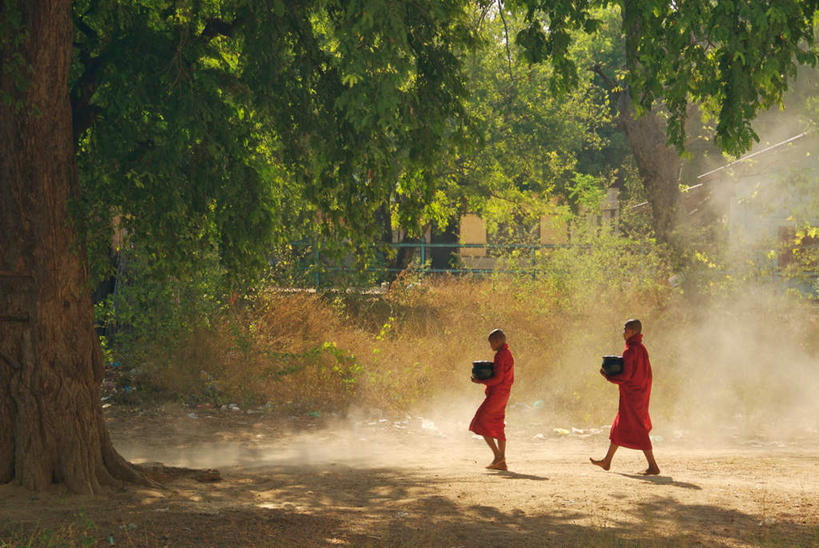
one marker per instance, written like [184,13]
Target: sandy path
[415,482]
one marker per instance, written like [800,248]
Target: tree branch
[612,85]
[506,35]
[87,30]
[84,114]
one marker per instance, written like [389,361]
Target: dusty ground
[416,482]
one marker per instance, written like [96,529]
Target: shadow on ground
[339,505]
[663,480]
[319,506]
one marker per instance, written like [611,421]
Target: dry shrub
[286,350]
[302,351]
[413,345]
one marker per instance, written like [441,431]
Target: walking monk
[632,423]
[489,419]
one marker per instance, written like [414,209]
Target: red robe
[632,423]
[489,418]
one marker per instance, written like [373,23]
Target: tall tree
[51,423]
[732,59]
[197,123]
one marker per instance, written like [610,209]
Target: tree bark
[658,164]
[404,255]
[52,428]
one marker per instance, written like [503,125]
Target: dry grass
[300,352]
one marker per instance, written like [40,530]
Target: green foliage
[803,255]
[241,127]
[241,124]
[185,337]
[533,143]
[586,191]
[604,264]
[561,19]
[735,58]
[151,320]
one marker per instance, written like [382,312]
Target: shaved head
[497,335]
[635,325]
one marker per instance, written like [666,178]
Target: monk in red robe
[489,419]
[632,423]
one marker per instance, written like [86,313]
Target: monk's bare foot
[601,463]
[651,471]
[500,465]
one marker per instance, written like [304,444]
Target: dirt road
[414,482]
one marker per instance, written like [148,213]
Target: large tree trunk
[51,424]
[658,164]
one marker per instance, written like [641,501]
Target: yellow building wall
[472,231]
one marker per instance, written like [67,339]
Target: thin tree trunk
[404,255]
[52,428]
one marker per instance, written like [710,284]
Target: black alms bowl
[612,365]
[483,370]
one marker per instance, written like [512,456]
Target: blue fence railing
[527,259]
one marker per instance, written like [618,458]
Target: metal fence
[527,258]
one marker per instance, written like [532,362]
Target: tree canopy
[733,57]
[244,124]
[234,125]
[537,148]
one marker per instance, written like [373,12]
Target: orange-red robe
[489,418]
[632,423]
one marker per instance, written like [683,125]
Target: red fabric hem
[489,418]
[629,445]
[497,435]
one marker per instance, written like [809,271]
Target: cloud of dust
[737,369]
[363,438]
[746,364]
[724,373]
[741,364]
[727,368]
